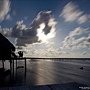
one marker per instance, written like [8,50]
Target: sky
[47,28]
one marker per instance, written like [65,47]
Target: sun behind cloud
[45,37]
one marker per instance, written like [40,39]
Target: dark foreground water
[43,72]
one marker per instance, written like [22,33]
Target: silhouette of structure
[6,48]
[7,52]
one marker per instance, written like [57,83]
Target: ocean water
[48,71]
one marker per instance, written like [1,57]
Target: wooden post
[10,65]
[3,63]
[10,69]
[25,67]
[16,68]
[13,67]
[16,63]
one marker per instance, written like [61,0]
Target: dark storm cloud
[26,35]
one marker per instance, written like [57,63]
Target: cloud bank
[78,38]
[35,33]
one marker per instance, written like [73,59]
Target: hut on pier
[6,48]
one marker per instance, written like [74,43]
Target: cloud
[8,17]
[71,12]
[15,32]
[20,25]
[78,38]
[78,31]
[6,31]
[45,35]
[4,8]
[43,50]
[83,19]
[28,35]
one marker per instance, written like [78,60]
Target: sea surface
[48,71]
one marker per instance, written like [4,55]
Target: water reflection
[51,72]
[42,72]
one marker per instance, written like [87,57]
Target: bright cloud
[41,34]
[43,50]
[71,12]
[4,8]
[83,18]
[78,38]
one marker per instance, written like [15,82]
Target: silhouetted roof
[5,47]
